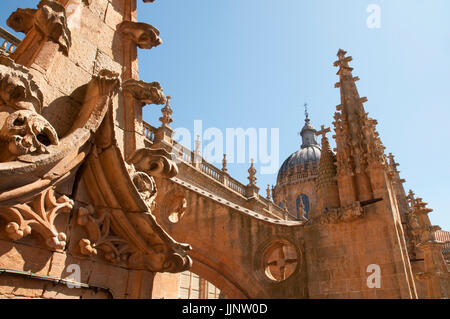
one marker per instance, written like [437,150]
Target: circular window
[280,260]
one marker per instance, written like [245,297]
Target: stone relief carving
[178,209]
[18,91]
[25,132]
[102,240]
[145,93]
[97,223]
[145,185]
[155,162]
[39,216]
[21,20]
[144,35]
[280,260]
[343,214]
[49,20]
[174,206]
[22,129]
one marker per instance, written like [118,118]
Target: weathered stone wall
[228,243]
[96,44]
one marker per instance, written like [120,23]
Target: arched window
[303,200]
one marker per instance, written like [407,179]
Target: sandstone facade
[92,196]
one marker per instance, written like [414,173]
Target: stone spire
[359,149]
[327,187]
[308,131]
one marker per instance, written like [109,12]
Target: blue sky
[254,63]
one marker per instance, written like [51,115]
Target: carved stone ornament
[145,185]
[38,216]
[174,206]
[343,214]
[17,88]
[103,241]
[49,19]
[145,93]
[144,35]
[101,238]
[22,20]
[25,132]
[154,162]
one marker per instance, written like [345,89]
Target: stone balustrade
[198,163]
[9,42]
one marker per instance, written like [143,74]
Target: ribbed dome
[308,153]
[302,156]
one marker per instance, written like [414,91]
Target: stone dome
[308,153]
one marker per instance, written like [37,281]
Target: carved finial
[323,131]
[343,60]
[392,162]
[224,163]
[268,192]
[307,120]
[252,174]
[166,119]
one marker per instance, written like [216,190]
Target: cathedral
[97,203]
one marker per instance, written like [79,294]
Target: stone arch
[214,275]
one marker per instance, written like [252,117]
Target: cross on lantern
[279,262]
